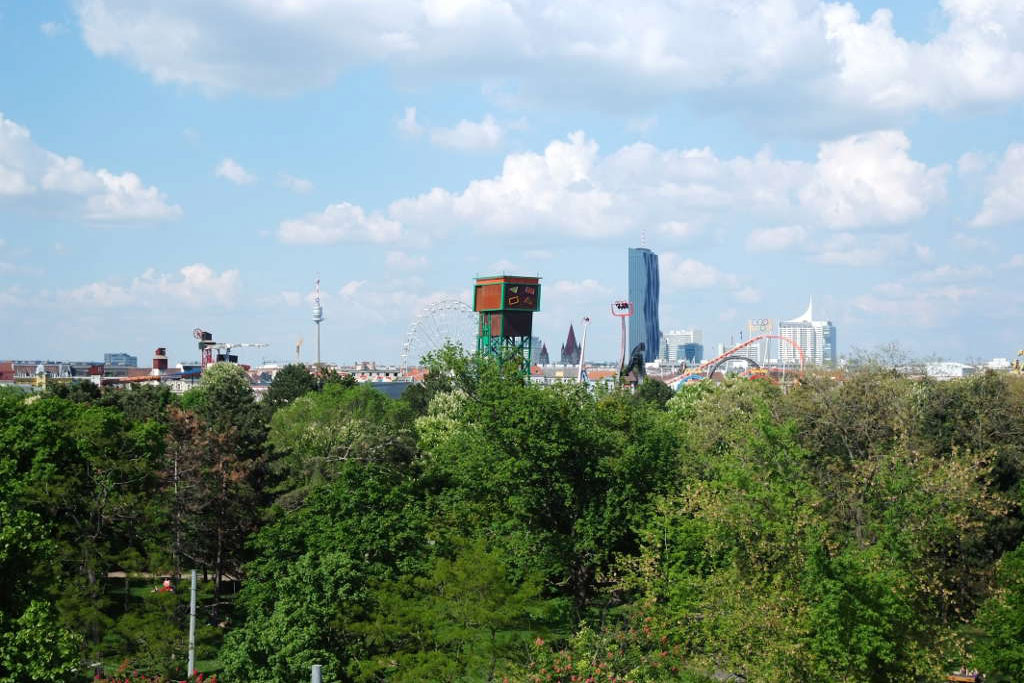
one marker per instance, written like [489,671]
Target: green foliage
[33,647]
[290,382]
[637,647]
[315,435]
[653,391]
[314,570]
[557,475]
[860,529]
[460,621]
[1000,649]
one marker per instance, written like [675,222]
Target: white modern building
[674,346]
[817,338]
[947,370]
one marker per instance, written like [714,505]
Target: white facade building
[672,344]
[946,370]
[817,338]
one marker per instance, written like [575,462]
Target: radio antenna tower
[318,317]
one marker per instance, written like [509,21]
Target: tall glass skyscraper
[643,292]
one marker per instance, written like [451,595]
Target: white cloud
[776,239]
[575,289]
[680,229]
[469,135]
[870,179]
[404,261]
[970,242]
[641,124]
[922,305]
[948,273]
[747,295]
[686,273]
[539,254]
[51,29]
[971,163]
[53,182]
[503,266]
[1016,261]
[192,286]
[865,181]
[408,124]
[297,185]
[797,50]
[1004,201]
[342,222]
[229,169]
[923,252]
[396,301]
[534,191]
[846,249]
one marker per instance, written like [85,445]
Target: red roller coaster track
[703,367]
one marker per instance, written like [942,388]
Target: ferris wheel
[448,321]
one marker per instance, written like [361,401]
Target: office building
[643,292]
[817,338]
[120,360]
[678,346]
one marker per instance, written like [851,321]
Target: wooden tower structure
[506,304]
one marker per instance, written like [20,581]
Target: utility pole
[315,677]
[192,628]
[583,348]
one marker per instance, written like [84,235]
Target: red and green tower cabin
[506,304]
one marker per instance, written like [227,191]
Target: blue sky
[171,164]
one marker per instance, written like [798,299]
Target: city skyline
[169,166]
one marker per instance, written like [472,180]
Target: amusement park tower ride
[506,304]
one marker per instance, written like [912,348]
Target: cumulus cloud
[1004,199]
[297,185]
[469,135]
[808,50]
[466,135]
[31,174]
[866,181]
[342,222]
[408,123]
[870,179]
[971,163]
[229,169]
[192,286]
[534,191]
[679,273]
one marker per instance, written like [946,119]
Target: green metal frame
[506,348]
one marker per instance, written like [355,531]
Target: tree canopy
[862,528]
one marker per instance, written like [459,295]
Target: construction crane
[226,348]
[211,350]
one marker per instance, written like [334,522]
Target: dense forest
[482,528]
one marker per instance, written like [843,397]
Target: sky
[175,164]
